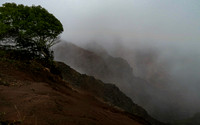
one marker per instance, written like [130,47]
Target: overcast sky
[131,20]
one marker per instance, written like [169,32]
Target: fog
[159,39]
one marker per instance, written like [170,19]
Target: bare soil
[32,99]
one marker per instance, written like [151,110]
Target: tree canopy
[32,29]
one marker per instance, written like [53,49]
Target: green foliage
[31,29]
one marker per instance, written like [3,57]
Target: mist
[159,39]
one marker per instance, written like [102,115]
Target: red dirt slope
[36,97]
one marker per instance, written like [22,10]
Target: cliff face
[98,63]
[106,68]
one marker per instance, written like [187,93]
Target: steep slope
[105,67]
[149,94]
[65,51]
[30,94]
[108,92]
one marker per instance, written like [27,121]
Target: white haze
[171,28]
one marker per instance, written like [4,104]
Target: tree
[32,29]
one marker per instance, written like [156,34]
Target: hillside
[110,70]
[105,68]
[30,94]
[144,92]
[108,92]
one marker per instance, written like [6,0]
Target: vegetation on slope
[28,31]
[108,92]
